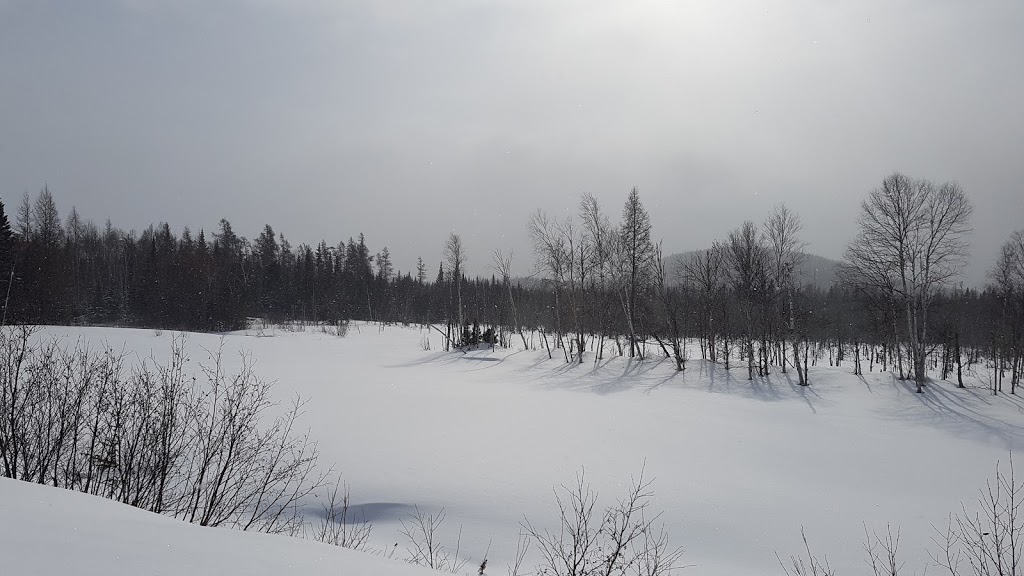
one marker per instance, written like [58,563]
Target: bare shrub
[989,541]
[425,547]
[243,474]
[154,437]
[339,328]
[623,539]
[522,547]
[337,526]
[881,551]
[881,556]
[807,564]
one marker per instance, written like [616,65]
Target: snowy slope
[739,466]
[49,531]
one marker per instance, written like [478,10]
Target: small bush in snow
[986,541]
[199,447]
[425,547]
[623,539]
[337,526]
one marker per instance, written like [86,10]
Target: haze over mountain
[814,270]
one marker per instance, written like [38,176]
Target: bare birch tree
[1008,343]
[604,242]
[786,252]
[455,258]
[578,248]
[912,241]
[747,260]
[705,273]
[552,260]
[503,265]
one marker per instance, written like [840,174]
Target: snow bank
[49,531]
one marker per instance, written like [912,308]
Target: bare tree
[578,248]
[669,311]
[786,251]
[455,258]
[747,259]
[503,265]
[604,244]
[912,241]
[1008,345]
[705,272]
[552,260]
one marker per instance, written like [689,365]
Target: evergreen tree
[6,259]
[637,260]
[6,241]
[421,271]
[227,304]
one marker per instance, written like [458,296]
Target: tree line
[600,286]
[896,305]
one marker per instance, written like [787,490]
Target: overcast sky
[407,119]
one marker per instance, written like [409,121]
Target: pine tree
[638,260]
[6,239]
[421,271]
[6,259]
[25,218]
[227,303]
[46,218]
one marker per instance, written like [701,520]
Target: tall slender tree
[455,257]
[637,260]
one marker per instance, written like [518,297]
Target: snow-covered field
[50,531]
[739,467]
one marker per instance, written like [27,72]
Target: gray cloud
[406,119]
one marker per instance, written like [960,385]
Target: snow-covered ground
[739,467]
[49,531]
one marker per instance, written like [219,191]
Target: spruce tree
[6,259]
[638,259]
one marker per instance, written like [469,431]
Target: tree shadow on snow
[649,376]
[486,362]
[431,358]
[374,512]
[965,412]
[599,378]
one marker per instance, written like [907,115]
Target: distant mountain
[815,270]
[818,271]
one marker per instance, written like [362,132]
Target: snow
[50,531]
[739,467]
